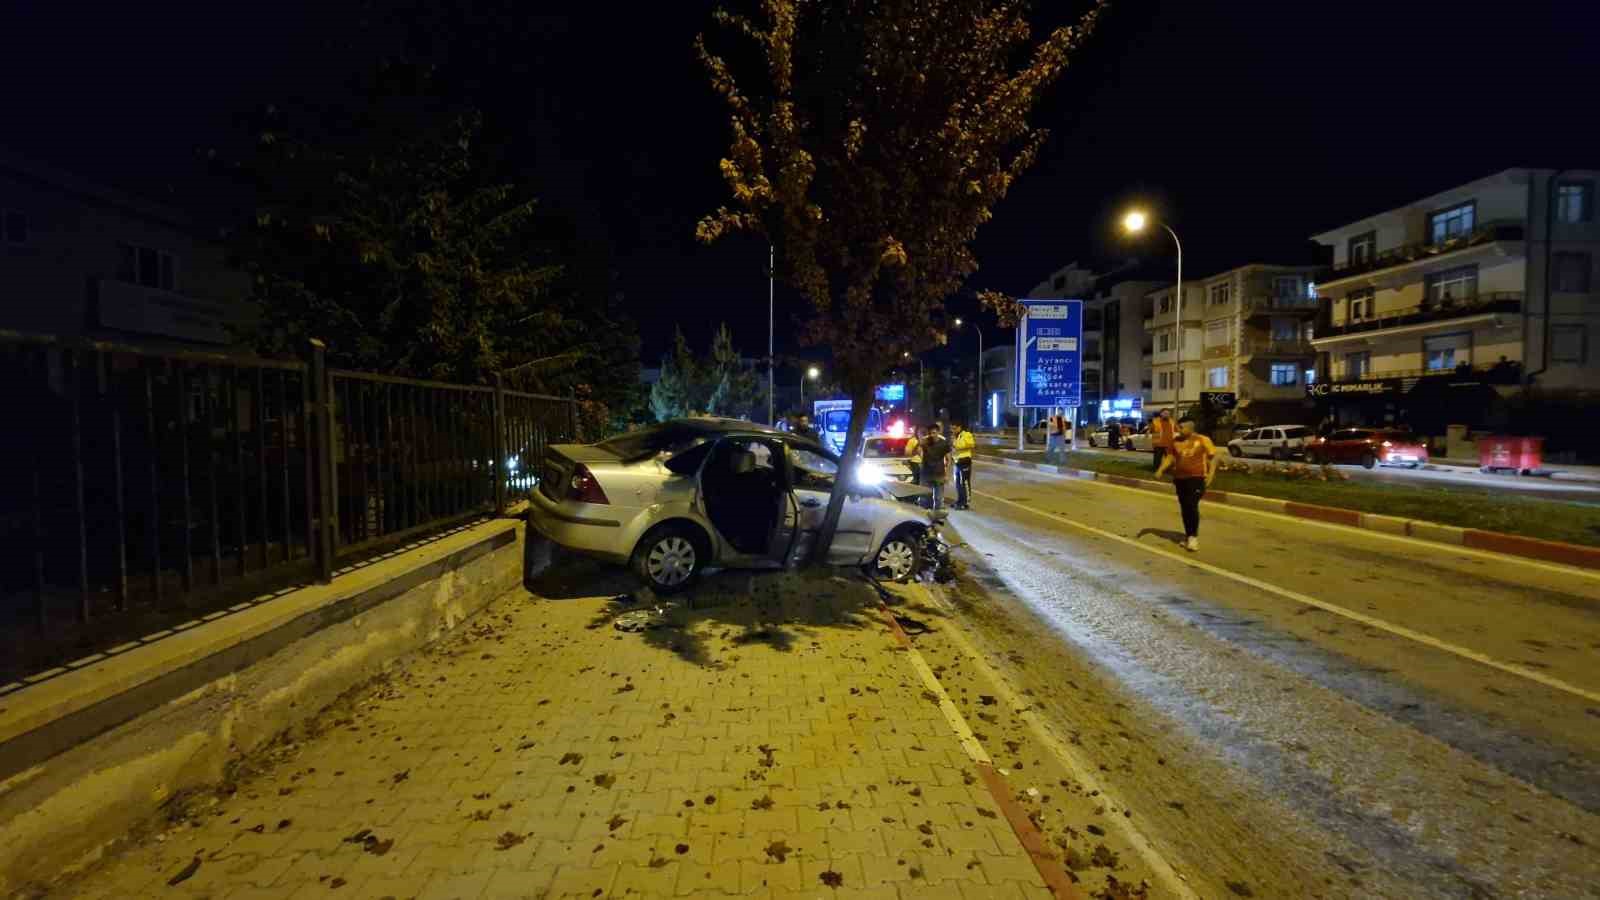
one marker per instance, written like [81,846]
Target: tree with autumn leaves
[870,139]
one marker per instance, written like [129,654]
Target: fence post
[499,419]
[322,455]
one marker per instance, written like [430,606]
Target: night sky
[1252,125]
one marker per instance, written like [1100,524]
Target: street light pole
[979,377]
[1135,222]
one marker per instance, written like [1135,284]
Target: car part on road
[658,616]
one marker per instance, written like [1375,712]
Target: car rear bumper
[578,528]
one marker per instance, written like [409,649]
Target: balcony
[1408,253]
[1278,347]
[1509,302]
[1256,390]
[1509,372]
[1219,351]
[1267,305]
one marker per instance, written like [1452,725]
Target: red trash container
[1519,454]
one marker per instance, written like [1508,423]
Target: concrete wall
[90,755]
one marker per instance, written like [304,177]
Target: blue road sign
[1049,360]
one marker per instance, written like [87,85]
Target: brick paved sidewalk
[776,744]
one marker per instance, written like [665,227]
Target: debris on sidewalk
[656,616]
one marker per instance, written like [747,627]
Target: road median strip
[1478,539]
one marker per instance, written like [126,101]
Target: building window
[1311,376]
[1166,304]
[1449,224]
[1217,377]
[1569,344]
[1284,374]
[1451,285]
[1574,202]
[1439,352]
[1572,272]
[1165,342]
[1220,294]
[1362,305]
[1285,330]
[1217,334]
[1363,247]
[148,267]
[13,226]
[1286,287]
[1357,365]
[1161,380]
[1183,380]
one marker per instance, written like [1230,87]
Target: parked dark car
[1370,447]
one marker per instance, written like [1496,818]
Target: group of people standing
[934,458]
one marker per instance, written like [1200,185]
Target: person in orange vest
[1161,435]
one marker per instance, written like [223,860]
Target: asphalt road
[1437,475]
[1301,709]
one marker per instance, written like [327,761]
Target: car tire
[1368,461]
[899,557]
[670,557]
[1234,452]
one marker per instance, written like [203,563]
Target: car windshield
[879,448]
[812,469]
[647,442]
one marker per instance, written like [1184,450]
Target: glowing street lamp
[811,373]
[1134,223]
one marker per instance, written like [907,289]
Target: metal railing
[143,484]
[1509,372]
[1271,303]
[1496,302]
[1285,346]
[1398,256]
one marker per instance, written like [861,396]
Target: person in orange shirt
[1161,435]
[1193,461]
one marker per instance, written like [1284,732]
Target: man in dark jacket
[936,462]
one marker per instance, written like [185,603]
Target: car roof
[716,426]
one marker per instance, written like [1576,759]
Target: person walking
[1161,437]
[1193,461]
[935,462]
[962,446]
[914,454]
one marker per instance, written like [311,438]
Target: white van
[1280,442]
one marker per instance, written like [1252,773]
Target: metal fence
[144,484]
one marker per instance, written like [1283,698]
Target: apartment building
[1436,311]
[1256,328]
[81,259]
[1175,331]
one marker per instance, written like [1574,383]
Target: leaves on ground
[778,850]
[186,873]
[1239,888]
[573,758]
[681,849]
[831,878]
[604,780]
[509,839]
[763,802]
[615,822]
[1104,857]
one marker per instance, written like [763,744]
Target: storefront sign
[1325,390]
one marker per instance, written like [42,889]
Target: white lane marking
[1435,546]
[952,715]
[1079,768]
[1397,630]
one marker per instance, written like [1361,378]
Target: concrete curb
[1493,541]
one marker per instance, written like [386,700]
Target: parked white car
[1280,442]
[674,498]
[884,456]
[1140,441]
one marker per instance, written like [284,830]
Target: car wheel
[669,559]
[1368,461]
[1234,452]
[897,558]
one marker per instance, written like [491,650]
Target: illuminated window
[1357,365]
[1217,377]
[1439,353]
[1448,224]
[1361,305]
[1452,284]
[1286,287]
[1283,374]
[1574,202]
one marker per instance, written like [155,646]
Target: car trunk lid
[561,460]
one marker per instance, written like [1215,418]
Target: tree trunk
[860,403]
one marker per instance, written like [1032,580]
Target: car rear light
[1388,444]
[584,488]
